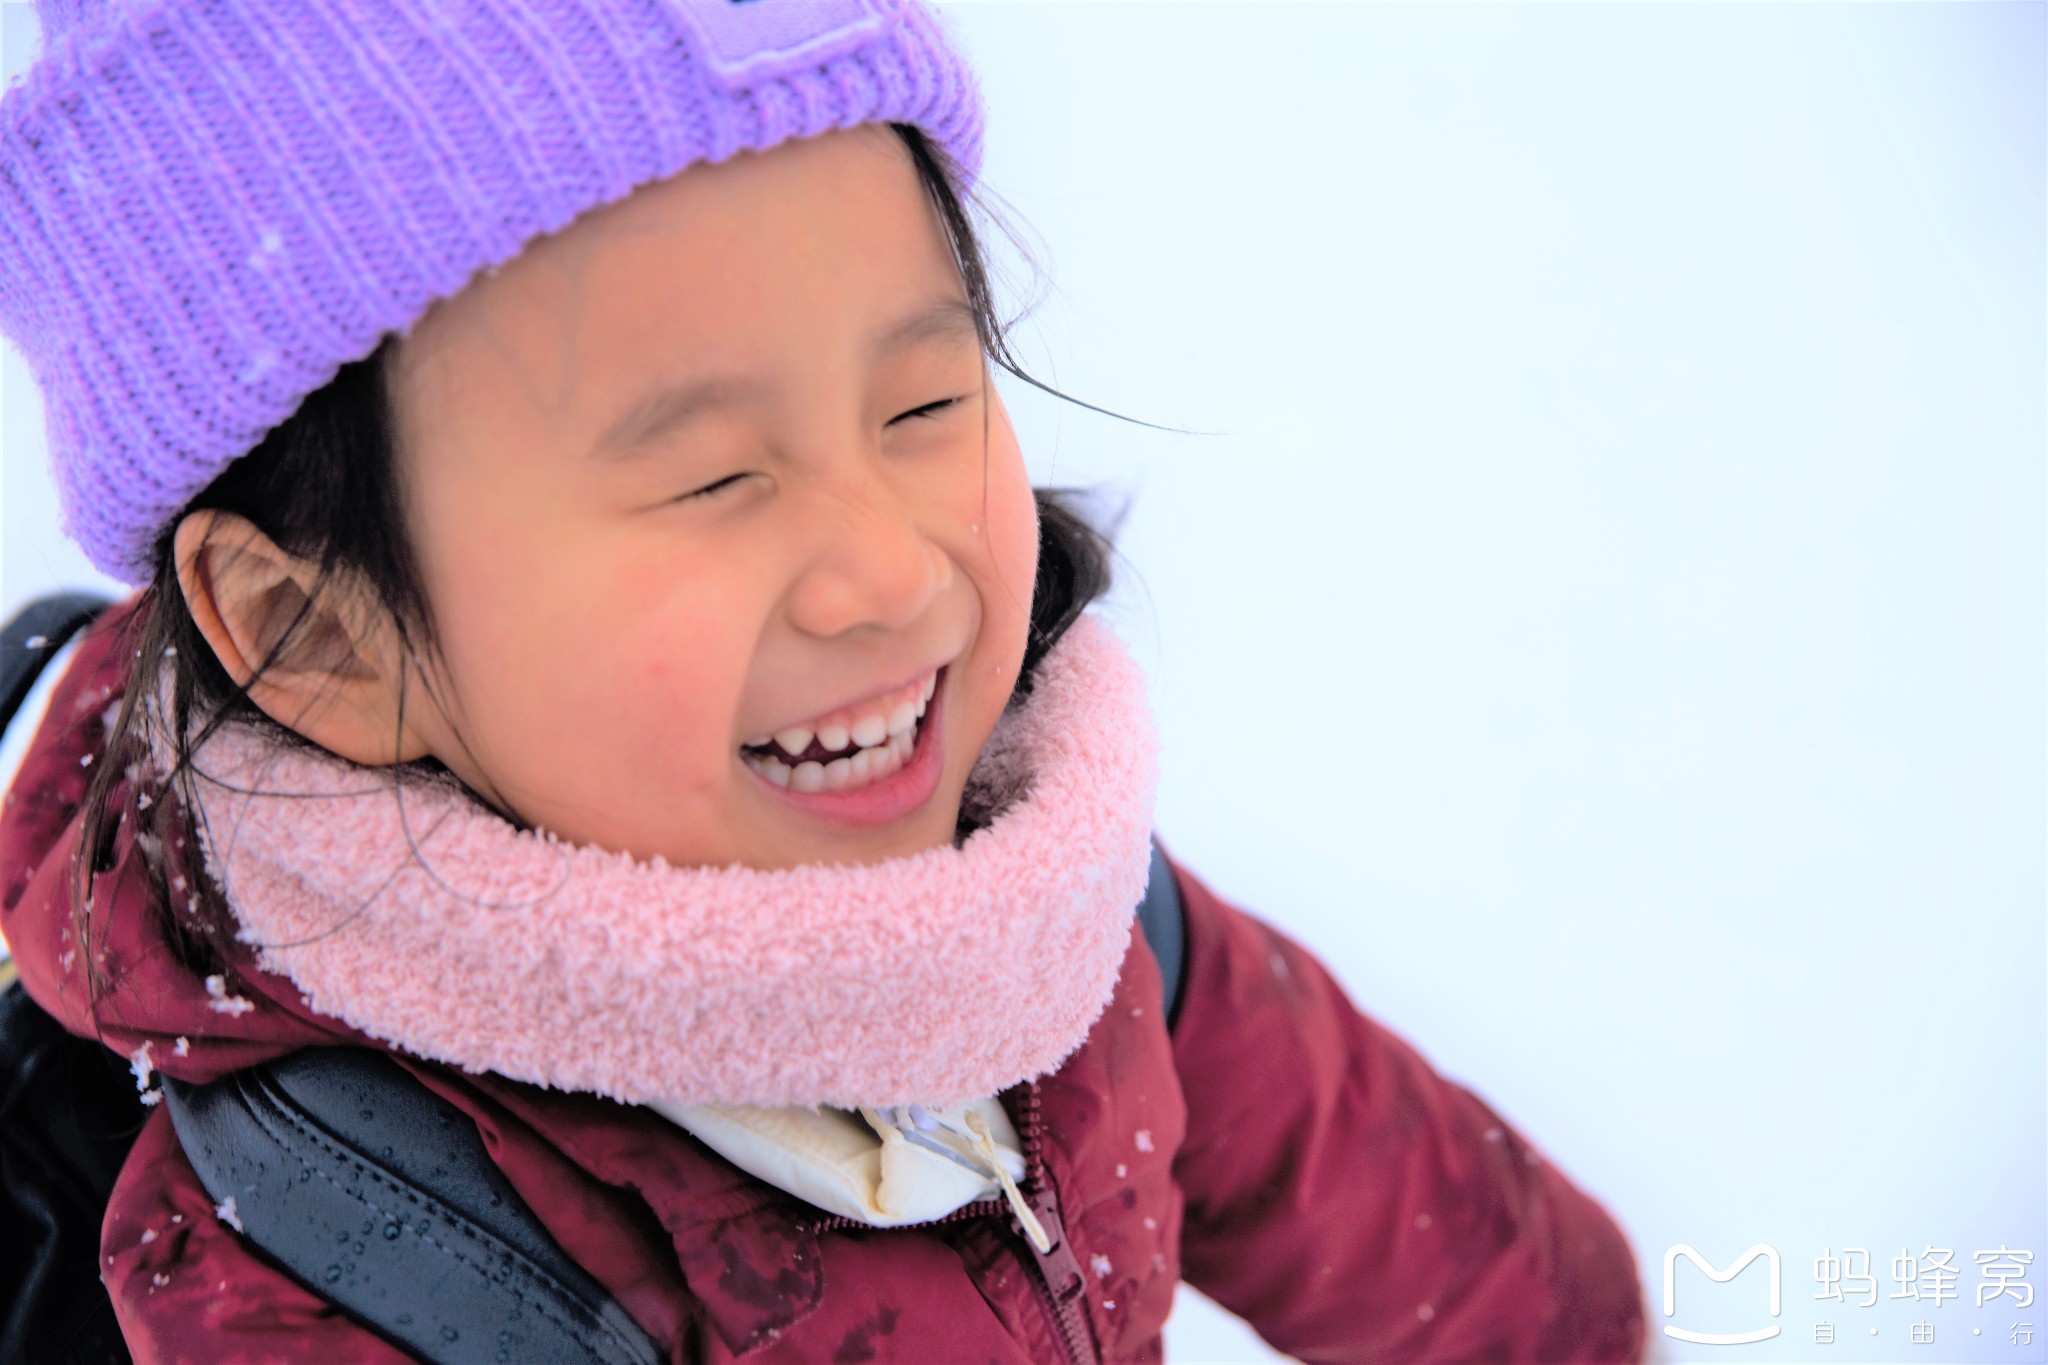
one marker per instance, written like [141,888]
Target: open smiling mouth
[847,749]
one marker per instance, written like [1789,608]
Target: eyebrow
[676,405]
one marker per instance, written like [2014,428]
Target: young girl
[598,648]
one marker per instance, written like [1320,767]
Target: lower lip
[896,795]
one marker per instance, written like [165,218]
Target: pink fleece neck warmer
[421,918]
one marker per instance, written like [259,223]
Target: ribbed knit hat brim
[208,206]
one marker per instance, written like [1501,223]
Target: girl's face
[709,483]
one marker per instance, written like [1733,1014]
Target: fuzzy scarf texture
[425,920]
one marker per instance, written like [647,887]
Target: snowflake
[140,1064]
[218,999]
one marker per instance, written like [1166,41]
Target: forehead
[732,263]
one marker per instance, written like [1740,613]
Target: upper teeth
[876,723]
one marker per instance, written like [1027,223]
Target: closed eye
[712,489]
[924,410]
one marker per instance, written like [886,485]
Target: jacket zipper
[1059,1280]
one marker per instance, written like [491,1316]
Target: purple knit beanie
[207,207]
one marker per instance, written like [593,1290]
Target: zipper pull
[1066,1285]
[1056,1259]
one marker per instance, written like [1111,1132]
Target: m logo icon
[745,42]
[1718,1277]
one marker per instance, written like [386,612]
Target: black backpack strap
[68,1109]
[378,1195]
[32,639]
[1165,926]
[68,1114]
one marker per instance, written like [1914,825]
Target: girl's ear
[315,657]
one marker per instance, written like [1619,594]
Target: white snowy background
[1604,616]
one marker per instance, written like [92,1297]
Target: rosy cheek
[1012,530]
[1014,539]
[678,705]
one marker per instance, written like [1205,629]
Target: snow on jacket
[1278,1150]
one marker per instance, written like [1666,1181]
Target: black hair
[324,486]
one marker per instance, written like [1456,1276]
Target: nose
[871,565]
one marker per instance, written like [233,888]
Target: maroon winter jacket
[1278,1150]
